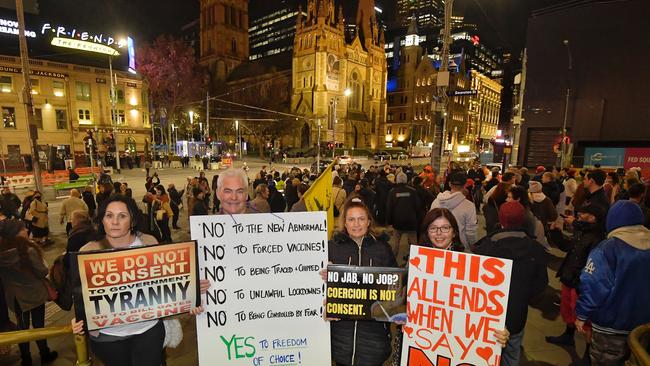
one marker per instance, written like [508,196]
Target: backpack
[61,282]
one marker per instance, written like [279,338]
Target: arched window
[233,46]
[355,87]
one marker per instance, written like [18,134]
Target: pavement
[543,318]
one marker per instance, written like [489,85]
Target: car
[381,156]
[402,156]
[324,163]
[345,159]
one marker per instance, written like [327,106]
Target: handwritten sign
[138,284]
[266,303]
[366,293]
[455,302]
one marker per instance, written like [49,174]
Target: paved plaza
[543,318]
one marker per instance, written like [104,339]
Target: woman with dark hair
[440,230]
[23,273]
[359,342]
[300,206]
[129,344]
[216,203]
[163,211]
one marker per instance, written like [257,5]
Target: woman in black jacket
[363,343]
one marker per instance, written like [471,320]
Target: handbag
[52,294]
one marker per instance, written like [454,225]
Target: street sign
[457,93]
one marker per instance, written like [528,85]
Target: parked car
[381,156]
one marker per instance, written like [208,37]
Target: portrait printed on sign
[455,302]
[132,285]
[366,293]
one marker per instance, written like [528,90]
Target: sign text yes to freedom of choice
[266,301]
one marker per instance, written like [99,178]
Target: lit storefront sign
[83,45]
[11,27]
[49,74]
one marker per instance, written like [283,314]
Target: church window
[233,46]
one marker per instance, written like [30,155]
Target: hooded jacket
[24,286]
[529,277]
[585,238]
[362,343]
[464,211]
[614,287]
[403,208]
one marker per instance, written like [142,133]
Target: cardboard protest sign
[366,293]
[265,306]
[131,285]
[455,302]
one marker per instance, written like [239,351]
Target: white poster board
[266,301]
[455,302]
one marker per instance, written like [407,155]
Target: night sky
[502,23]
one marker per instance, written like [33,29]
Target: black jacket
[552,191]
[585,238]
[76,240]
[426,198]
[89,200]
[370,340]
[403,208]
[529,277]
[175,196]
[598,198]
[9,204]
[382,187]
[276,200]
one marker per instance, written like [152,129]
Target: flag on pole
[319,197]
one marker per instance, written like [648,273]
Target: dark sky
[502,23]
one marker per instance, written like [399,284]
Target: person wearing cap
[529,277]
[614,288]
[463,209]
[539,171]
[588,231]
[403,210]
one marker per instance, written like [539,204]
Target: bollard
[81,346]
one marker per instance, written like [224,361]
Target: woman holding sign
[129,344]
[363,343]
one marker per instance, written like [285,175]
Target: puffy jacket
[614,287]
[529,277]
[362,343]
[585,238]
[23,285]
[464,211]
[403,208]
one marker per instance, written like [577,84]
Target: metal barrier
[639,340]
[30,335]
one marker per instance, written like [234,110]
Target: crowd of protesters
[599,219]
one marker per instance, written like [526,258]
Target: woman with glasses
[359,342]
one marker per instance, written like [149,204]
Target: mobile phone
[563,216]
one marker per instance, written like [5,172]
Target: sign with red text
[455,302]
[138,284]
[637,157]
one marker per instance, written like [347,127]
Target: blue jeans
[512,352]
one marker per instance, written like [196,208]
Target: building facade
[483,110]
[428,13]
[272,27]
[325,65]
[71,102]
[223,36]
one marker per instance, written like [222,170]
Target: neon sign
[11,27]
[60,31]
[83,45]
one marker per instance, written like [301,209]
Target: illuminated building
[70,98]
[428,13]
[272,27]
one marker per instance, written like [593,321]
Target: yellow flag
[319,197]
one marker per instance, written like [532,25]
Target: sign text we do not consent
[137,284]
[266,301]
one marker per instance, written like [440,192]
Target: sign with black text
[265,305]
[132,285]
[366,293]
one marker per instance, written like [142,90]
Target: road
[543,318]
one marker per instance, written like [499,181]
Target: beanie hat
[540,169]
[624,213]
[401,178]
[512,214]
[534,186]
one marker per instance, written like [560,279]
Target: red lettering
[463,346]
[101,323]
[474,268]
[493,266]
[497,308]
[473,330]
[431,255]
[417,357]
[457,264]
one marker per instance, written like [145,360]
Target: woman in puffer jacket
[362,343]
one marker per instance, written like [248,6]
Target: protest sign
[265,305]
[132,285]
[455,302]
[366,293]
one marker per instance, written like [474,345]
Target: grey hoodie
[465,213]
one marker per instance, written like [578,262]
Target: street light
[566,104]
[192,124]
[238,136]
[333,104]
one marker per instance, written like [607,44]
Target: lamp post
[113,113]
[318,153]
[238,137]
[566,105]
[192,124]
[332,117]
